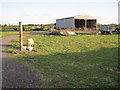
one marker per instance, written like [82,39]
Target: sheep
[30,42]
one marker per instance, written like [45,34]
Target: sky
[47,11]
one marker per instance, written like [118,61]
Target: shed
[80,22]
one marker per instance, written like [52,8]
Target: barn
[80,22]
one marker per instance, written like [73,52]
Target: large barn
[81,22]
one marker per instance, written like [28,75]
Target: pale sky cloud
[47,11]
[59,0]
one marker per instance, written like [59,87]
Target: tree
[5,25]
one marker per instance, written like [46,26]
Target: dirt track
[15,75]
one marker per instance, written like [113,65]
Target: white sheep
[30,42]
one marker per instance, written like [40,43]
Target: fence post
[20,35]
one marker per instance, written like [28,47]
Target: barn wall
[65,23]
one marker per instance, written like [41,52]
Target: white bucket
[24,47]
[30,48]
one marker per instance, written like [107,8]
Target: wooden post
[21,38]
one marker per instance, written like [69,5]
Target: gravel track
[14,74]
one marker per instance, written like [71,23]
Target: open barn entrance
[81,24]
[91,23]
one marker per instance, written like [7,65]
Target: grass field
[12,32]
[82,61]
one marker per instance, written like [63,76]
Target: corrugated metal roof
[84,17]
[79,17]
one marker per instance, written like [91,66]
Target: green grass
[82,61]
[10,33]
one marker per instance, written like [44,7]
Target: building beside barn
[81,22]
[119,13]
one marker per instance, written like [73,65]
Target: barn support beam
[85,24]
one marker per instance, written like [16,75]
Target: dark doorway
[91,23]
[79,23]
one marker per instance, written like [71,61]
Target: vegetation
[26,27]
[10,33]
[29,26]
[82,61]
[118,26]
[9,27]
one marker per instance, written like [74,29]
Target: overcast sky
[47,11]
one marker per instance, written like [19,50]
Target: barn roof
[84,17]
[80,17]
